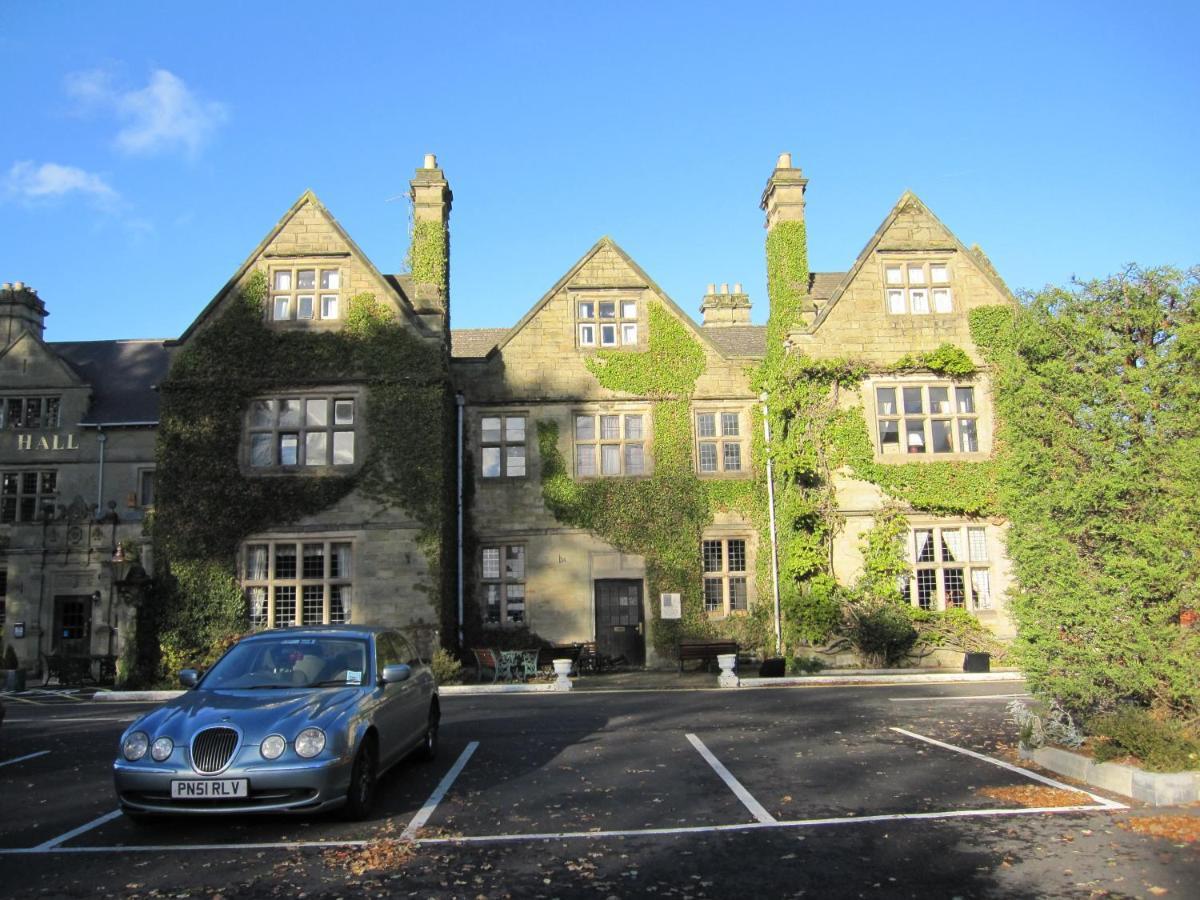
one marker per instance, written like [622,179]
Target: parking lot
[655,792]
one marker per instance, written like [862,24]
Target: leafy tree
[1098,390]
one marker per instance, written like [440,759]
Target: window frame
[594,324]
[44,401]
[724,576]
[294,293]
[906,286]
[3,596]
[720,440]
[622,442]
[271,581]
[330,429]
[18,499]
[956,419]
[504,583]
[935,569]
[503,444]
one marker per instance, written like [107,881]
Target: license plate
[211,789]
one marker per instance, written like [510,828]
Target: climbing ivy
[207,505]
[629,512]
[428,255]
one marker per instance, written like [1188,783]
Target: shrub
[883,633]
[956,629]
[804,665]
[10,658]
[446,669]
[1162,746]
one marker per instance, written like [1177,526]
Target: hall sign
[47,442]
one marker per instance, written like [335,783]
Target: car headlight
[161,749]
[135,746]
[273,746]
[310,742]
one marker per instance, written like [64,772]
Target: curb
[1151,788]
[134,696]
[540,688]
[865,678]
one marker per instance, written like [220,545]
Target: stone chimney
[783,197]
[21,310]
[724,308]
[429,254]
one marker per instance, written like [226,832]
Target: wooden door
[620,620]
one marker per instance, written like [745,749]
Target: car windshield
[290,662]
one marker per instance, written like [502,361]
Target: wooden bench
[693,648]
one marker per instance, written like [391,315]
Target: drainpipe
[771,508]
[459,401]
[103,439]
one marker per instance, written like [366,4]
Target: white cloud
[163,116]
[28,181]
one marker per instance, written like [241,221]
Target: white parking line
[951,698]
[9,762]
[439,792]
[1103,801]
[576,835]
[53,843]
[748,801]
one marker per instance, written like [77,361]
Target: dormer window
[305,294]
[917,288]
[607,323]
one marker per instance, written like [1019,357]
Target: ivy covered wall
[206,505]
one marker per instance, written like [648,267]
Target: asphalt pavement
[845,791]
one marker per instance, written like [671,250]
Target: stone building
[79,426]
[77,475]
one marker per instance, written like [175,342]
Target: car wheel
[361,794]
[429,744]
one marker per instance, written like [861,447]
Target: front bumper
[294,786]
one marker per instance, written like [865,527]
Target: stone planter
[727,662]
[562,668]
[12,679]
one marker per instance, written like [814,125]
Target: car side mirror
[188,678]
[395,673]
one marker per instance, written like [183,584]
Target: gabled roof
[69,374]
[647,282]
[475,343]
[123,376]
[745,341]
[308,197]
[907,198]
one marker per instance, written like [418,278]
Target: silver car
[292,720]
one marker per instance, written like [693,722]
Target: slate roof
[474,343]
[821,285]
[739,340]
[122,374]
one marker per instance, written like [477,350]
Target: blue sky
[148,147]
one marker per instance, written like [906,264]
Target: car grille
[212,749]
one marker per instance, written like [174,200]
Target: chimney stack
[429,254]
[723,309]
[21,310]
[783,197]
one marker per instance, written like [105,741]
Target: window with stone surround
[26,494]
[308,293]
[917,288]
[721,442]
[24,413]
[950,567]
[926,418]
[606,323]
[300,432]
[3,596]
[610,444]
[726,575]
[502,582]
[502,445]
[305,581]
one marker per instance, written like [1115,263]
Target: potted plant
[13,676]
